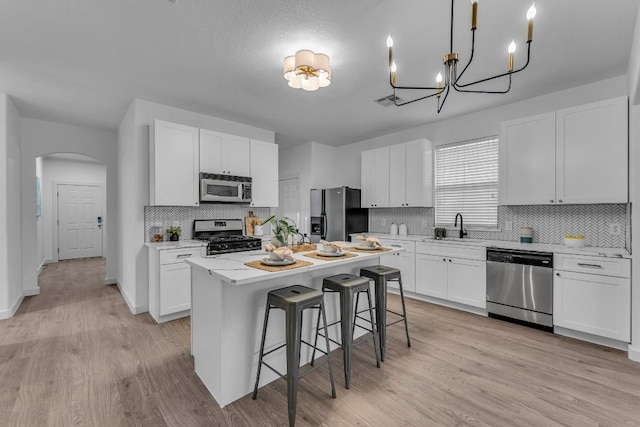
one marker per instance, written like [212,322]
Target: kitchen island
[227,311]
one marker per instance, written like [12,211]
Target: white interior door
[79,229]
[289,200]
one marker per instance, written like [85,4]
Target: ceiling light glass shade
[307,70]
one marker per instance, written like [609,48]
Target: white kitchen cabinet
[403,261]
[592,150]
[264,174]
[411,174]
[222,153]
[170,282]
[173,164]
[593,295]
[576,155]
[460,278]
[527,156]
[375,178]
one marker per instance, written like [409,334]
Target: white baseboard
[5,314]
[445,303]
[110,281]
[31,292]
[132,308]
[634,353]
[44,263]
[607,342]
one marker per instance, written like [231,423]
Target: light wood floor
[75,355]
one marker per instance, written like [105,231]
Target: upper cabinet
[577,155]
[264,174]
[173,164]
[224,154]
[398,176]
[375,178]
[411,174]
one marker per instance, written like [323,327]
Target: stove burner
[224,236]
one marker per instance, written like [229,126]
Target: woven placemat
[369,251]
[273,268]
[315,255]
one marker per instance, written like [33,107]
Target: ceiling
[83,61]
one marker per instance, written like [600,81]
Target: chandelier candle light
[451,77]
[307,70]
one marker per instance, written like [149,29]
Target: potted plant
[284,230]
[174,233]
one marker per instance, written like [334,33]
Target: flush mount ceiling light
[307,70]
[451,77]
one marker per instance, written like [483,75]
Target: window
[466,181]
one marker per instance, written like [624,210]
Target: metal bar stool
[348,286]
[381,274]
[293,300]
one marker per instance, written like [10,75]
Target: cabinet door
[418,173]
[264,174]
[528,161]
[175,288]
[210,151]
[397,176]
[404,261]
[173,165]
[598,305]
[431,275]
[467,282]
[368,194]
[381,177]
[235,155]
[592,153]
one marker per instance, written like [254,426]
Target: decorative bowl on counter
[574,241]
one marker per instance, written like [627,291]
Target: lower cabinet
[403,261]
[591,303]
[441,275]
[170,282]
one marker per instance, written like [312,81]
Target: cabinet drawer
[454,250]
[616,267]
[409,247]
[178,255]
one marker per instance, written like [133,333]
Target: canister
[526,234]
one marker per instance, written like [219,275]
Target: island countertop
[231,267]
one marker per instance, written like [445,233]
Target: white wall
[634,145]
[10,210]
[133,172]
[633,71]
[39,138]
[68,172]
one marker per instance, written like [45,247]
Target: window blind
[466,181]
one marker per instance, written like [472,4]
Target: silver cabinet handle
[589,265]
[551,201]
[184,256]
[395,246]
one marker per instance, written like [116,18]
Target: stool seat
[380,274]
[348,285]
[293,300]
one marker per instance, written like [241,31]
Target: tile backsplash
[184,216]
[550,223]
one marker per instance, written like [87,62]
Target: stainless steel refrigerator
[336,213]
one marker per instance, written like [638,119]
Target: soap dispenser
[394,228]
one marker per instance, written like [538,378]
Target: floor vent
[388,100]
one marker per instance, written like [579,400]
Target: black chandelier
[451,77]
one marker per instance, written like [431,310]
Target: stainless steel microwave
[225,188]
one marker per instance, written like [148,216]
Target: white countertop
[541,247]
[180,244]
[230,267]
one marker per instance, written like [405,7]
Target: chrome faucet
[455,224]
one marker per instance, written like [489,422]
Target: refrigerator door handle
[324,226]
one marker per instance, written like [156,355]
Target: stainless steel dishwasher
[520,285]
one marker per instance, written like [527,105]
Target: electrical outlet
[424,223]
[508,225]
[383,221]
[615,228]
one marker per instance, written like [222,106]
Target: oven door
[213,190]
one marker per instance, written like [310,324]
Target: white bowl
[574,243]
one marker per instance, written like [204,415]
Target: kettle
[394,228]
[403,229]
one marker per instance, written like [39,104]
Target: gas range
[224,236]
